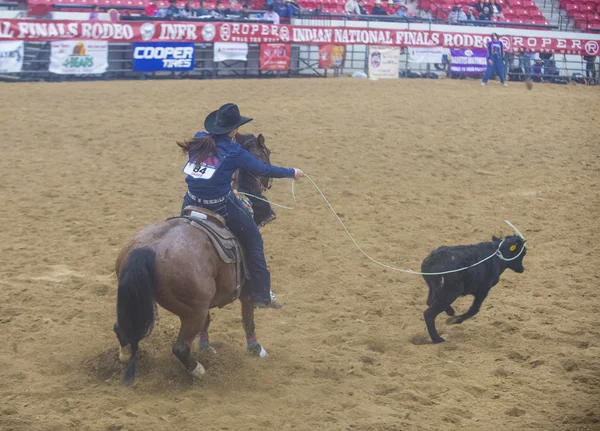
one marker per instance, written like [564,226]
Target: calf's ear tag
[513,247]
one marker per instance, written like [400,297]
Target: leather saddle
[225,242]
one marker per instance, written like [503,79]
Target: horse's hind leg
[203,343]
[254,348]
[125,349]
[190,326]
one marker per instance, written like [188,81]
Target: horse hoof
[257,351]
[438,340]
[209,350]
[453,320]
[199,371]
[125,353]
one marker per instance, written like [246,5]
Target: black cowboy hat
[224,120]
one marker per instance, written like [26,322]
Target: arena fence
[304,62]
[305,49]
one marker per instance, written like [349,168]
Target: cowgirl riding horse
[214,156]
[176,265]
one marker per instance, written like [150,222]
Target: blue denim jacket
[211,178]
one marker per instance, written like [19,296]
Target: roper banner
[468,61]
[224,51]
[172,56]
[203,32]
[274,56]
[74,57]
[11,56]
[384,62]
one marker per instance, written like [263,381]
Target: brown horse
[176,265]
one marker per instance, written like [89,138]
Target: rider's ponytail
[199,148]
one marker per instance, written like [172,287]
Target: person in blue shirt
[495,58]
[289,10]
[214,156]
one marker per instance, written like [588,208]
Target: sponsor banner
[425,55]
[11,56]
[78,57]
[331,56]
[224,51]
[384,62]
[274,56]
[153,56]
[468,61]
[172,31]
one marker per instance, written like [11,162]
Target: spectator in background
[472,14]
[391,9]
[188,10]
[485,15]
[220,11]
[271,15]
[590,69]
[151,9]
[234,5]
[479,6]
[536,71]
[94,14]
[412,7]
[318,8]
[462,16]
[495,9]
[172,10]
[245,12]
[453,16]
[361,6]
[202,11]
[495,57]
[290,9]
[402,12]
[378,9]
[352,8]
[525,61]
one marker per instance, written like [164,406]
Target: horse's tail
[135,301]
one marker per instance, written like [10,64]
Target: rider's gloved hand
[298,174]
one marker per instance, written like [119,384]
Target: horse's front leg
[254,347]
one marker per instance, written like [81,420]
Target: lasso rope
[408,271]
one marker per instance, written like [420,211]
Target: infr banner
[78,57]
[384,62]
[11,56]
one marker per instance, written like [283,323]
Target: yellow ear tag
[513,247]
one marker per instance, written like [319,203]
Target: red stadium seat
[521,12]
[572,8]
[528,4]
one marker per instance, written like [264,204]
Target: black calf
[476,281]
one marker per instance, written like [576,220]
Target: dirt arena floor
[409,165]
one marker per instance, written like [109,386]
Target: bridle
[252,143]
